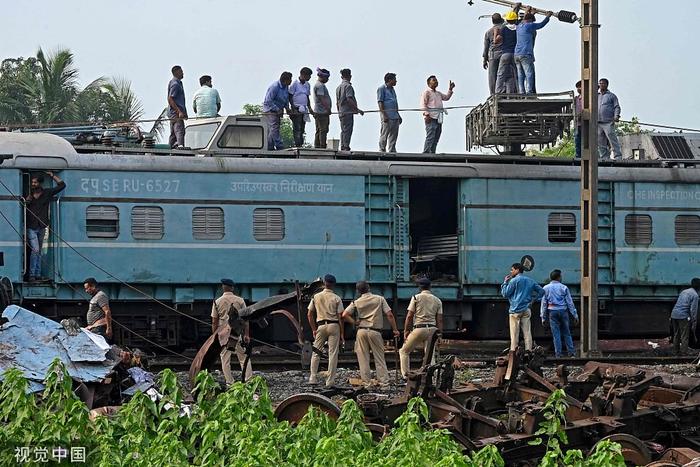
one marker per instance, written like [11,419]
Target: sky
[245,45]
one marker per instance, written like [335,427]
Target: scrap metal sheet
[31,342]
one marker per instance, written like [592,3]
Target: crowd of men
[508,56]
[326,316]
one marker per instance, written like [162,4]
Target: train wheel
[293,408]
[634,450]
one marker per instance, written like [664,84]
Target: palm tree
[53,92]
[122,103]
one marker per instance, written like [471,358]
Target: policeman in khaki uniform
[425,315]
[220,312]
[369,309]
[326,328]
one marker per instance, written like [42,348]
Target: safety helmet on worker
[511,16]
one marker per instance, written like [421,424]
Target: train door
[434,229]
[46,237]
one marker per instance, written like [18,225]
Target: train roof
[49,152]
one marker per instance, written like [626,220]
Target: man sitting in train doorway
[37,203]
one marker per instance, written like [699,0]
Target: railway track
[282,362]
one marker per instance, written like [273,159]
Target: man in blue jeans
[525,51]
[554,310]
[37,203]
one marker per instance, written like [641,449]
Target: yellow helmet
[511,16]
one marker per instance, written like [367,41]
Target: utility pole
[589,179]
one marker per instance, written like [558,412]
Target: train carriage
[152,224]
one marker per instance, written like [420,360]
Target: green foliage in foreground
[237,428]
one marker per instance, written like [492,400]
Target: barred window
[688,230]
[147,222]
[561,227]
[638,229]
[268,224]
[208,223]
[102,221]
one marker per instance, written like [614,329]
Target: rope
[169,119]
[656,125]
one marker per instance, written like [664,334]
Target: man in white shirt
[431,104]
[206,101]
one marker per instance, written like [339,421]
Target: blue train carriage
[172,226]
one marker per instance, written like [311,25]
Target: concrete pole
[589,179]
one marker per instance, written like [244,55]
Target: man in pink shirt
[431,103]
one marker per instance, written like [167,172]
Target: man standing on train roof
[433,112]
[608,114]
[99,315]
[520,291]
[326,327]
[322,108]
[347,108]
[230,329]
[369,309]
[389,113]
[299,93]
[177,112]
[275,103]
[684,316]
[556,306]
[206,101]
[525,51]
[506,36]
[424,318]
[37,204]
[492,51]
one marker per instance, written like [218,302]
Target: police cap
[228,282]
[329,278]
[423,282]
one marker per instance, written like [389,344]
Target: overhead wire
[134,288]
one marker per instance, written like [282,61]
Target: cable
[150,341]
[113,320]
[153,120]
[660,126]
[135,289]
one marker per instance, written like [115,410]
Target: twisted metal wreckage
[655,416]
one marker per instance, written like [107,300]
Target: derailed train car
[168,225]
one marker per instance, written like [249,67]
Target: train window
[268,224]
[638,229]
[147,223]
[198,136]
[688,230]
[102,221]
[208,223]
[561,227]
[242,137]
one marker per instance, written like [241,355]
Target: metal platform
[508,119]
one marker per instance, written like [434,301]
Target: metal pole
[589,178]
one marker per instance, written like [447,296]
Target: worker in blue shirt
[684,316]
[275,103]
[520,291]
[525,51]
[554,310]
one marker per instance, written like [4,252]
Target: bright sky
[245,45]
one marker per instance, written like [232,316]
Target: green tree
[15,106]
[285,126]
[46,90]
